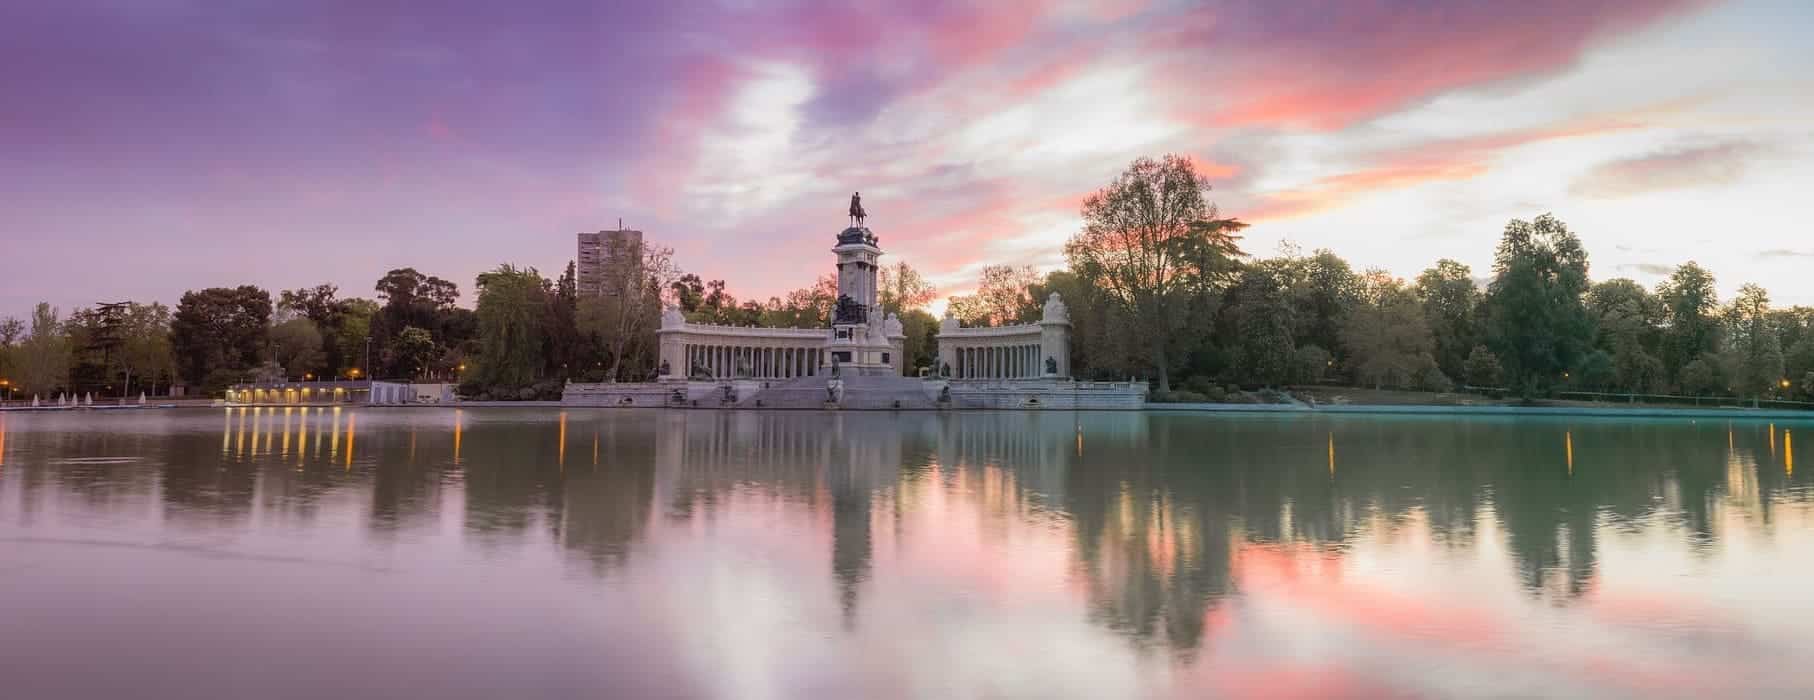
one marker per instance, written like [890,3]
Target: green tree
[1690,303]
[512,310]
[1311,364]
[1628,322]
[1262,318]
[808,307]
[354,335]
[921,330]
[296,346]
[1700,377]
[1537,319]
[415,350]
[1100,343]
[688,292]
[146,351]
[1386,335]
[1482,368]
[412,298]
[12,330]
[626,314]
[1756,358]
[1451,303]
[567,348]
[1596,371]
[219,331]
[321,305]
[43,357]
[1323,289]
[1150,241]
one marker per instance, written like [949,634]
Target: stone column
[1055,342]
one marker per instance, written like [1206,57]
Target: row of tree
[1156,282]
[1159,287]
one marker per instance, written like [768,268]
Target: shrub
[1432,379]
[1309,364]
[1482,367]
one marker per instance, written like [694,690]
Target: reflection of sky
[992,564]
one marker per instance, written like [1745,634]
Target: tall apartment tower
[604,257]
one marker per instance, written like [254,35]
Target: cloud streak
[1677,168]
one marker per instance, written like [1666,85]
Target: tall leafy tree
[416,350]
[1537,319]
[43,357]
[1755,364]
[566,346]
[1451,304]
[1146,241]
[321,305]
[512,310]
[1387,338]
[145,353]
[412,298]
[626,315]
[1262,318]
[12,330]
[296,345]
[1628,323]
[218,333]
[354,335]
[1692,305]
[1322,288]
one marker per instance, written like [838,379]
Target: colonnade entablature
[704,351]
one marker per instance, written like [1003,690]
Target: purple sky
[153,146]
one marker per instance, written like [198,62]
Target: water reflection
[1088,555]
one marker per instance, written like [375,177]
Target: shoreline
[1202,408]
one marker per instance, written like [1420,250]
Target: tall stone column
[1055,338]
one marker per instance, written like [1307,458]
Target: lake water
[505,553]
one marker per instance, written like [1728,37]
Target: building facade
[857,361]
[604,260]
[862,340]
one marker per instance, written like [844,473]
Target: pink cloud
[1436,161]
[1328,65]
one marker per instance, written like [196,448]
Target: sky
[153,146]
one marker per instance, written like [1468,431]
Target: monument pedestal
[858,349]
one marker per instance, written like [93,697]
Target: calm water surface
[504,553]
